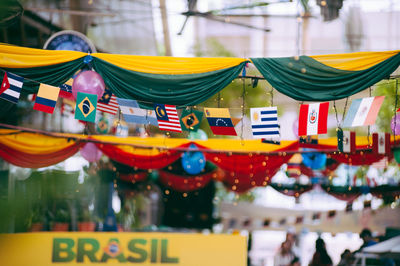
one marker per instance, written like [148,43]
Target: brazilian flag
[191,119]
[85,108]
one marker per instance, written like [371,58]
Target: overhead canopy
[327,77]
[169,80]
[186,81]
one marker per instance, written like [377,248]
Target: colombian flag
[220,121]
[46,98]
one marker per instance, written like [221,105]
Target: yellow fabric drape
[22,57]
[169,65]
[354,61]
[33,143]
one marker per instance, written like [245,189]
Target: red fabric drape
[359,158]
[133,177]
[184,183]
[28,160]
[140,161]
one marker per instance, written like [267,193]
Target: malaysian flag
[108,103]
[264,122]
[167,117]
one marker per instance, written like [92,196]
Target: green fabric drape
[181,90]
[54,75]
[306,79]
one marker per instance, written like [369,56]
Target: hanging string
[395,110]
[344,109]
[369,127]
[243,99]
[219,99]
[272,96]
[336,114]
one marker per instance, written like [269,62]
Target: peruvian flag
[313,119]
[381,143]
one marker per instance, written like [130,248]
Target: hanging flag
[11,87]
[346,141]
[349,206]
[308,141]
[299,219]
[331,214]
[134,114]
[264,122]
[85,109]
[191,119]
[46,98]
[167,117]
[66,89]
[381,143]
[313,119]
[220,121]
[363,112]
[108,103]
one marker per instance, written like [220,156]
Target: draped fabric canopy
[168,80]
[242,165]
[190,81]
[327,77]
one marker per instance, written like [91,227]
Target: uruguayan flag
[264,122]
[11,87]
[134,114]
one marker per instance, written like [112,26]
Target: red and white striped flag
[108,103]
[313,119]
[167,117]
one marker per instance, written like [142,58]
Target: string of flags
[313,118]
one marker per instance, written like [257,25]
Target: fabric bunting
[167,117]
[108,103]
[11,87]
[46,99]
[363,112]
[191,119]
[134,114]
[220,121]
[85,109]
[313,119]
[264,122]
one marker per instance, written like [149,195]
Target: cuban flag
[313,119]
[264,122]
[363,112]
[11,87]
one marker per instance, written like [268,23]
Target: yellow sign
[79,248]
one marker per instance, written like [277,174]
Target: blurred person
[346,258]
[292,238]
[285,255]
[295,262]
[320,257]
[367,238]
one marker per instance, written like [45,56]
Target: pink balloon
[396,128]
[88,82]
[90,152]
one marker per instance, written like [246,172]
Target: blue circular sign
[70,40]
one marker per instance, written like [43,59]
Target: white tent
[386,249]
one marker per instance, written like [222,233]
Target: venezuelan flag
[46,98]
[220,121]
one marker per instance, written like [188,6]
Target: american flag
[108,103]
[167,117]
